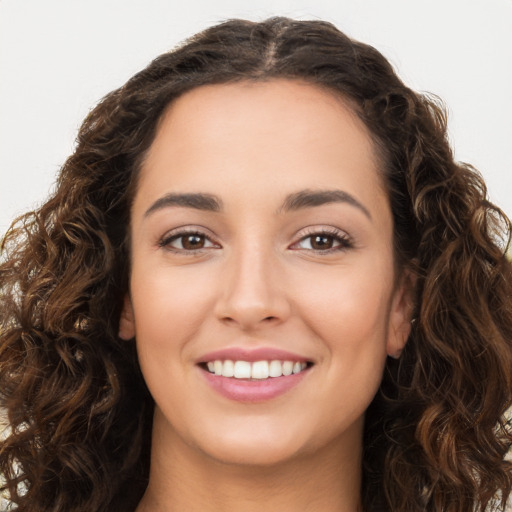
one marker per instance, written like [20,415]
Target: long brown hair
[78,411]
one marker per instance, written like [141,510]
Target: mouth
[254,375]
[254,370]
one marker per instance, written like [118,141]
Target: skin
[258,279]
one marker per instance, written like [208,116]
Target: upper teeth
[256,370]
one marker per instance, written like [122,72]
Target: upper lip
[252,355]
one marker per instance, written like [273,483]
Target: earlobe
[401,315]
[127,320]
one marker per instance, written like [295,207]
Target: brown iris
[322,242]
[192,241]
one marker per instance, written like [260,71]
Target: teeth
[242,370]
[258,370]
[287,367]
[228,369]
[275,369]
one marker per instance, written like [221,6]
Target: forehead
[268,105]
[274,132]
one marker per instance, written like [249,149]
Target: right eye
[187,242]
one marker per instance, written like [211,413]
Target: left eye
[188,242]
[322,242]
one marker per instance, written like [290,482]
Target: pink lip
[246,390]
[242,390]
[251,355]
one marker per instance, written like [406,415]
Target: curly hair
[79,414]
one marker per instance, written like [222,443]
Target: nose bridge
[252,290]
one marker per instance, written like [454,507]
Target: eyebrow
[311,198]
[293,202]
[206,202]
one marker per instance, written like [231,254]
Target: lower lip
[242,390]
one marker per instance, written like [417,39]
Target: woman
[262,280]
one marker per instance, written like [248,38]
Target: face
[262,245]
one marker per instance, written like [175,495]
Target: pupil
[322,242]
[193,242]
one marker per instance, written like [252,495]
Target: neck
[184,479]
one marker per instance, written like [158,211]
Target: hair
[78,411]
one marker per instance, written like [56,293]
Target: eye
[187,241]
[323,242]
[319,242]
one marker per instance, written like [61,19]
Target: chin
[263,446]
[258,454]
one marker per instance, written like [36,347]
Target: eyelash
[341,238]
[337,236]
[166,241]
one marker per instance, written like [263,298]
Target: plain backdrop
[59,57]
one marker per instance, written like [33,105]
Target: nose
[252,291]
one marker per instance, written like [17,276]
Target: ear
[127,320]
[400,320]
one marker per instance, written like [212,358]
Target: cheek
[350,315]
[349,304]
[170,309]
[169,304]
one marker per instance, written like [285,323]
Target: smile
[257,370]
[256,381]
[259,374]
